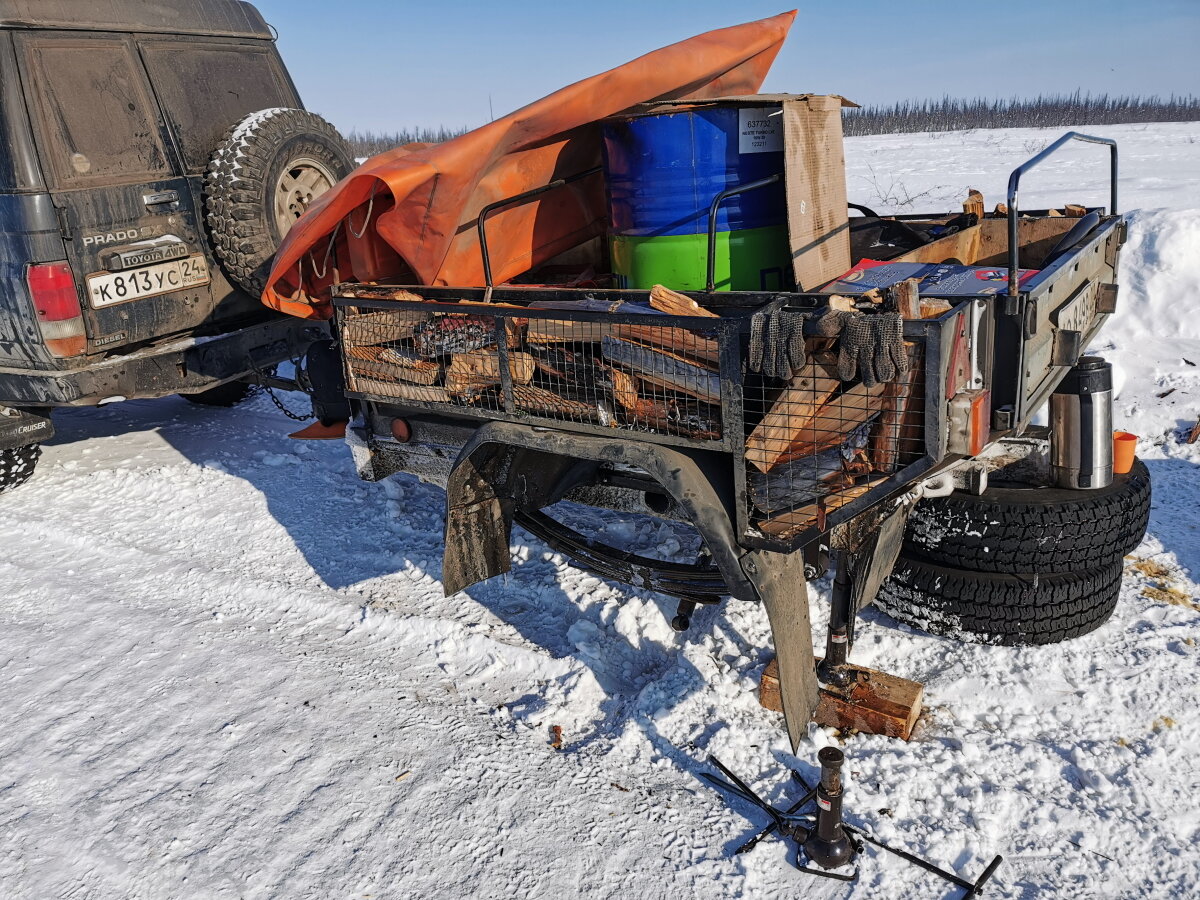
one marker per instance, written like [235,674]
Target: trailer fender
[507,467]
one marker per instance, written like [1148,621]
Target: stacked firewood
[648,377]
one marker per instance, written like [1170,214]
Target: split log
[566,331]
[908,298]
[547,403]
[399,390]
[974,203]
[677,340]
[481,368]
[1001,211]
[1195,435]
[1075,211]
[931,309]
[387,363]
[664,369]
[804,480]
[383,327]
[666,300]
[697,421]
[804,395]
[890,437]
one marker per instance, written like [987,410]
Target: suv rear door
[130,222]
[206,86]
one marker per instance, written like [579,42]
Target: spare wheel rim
[298,185]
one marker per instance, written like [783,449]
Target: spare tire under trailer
[1018,564]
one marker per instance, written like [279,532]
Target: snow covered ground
[227,668]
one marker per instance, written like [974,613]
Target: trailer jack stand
[822,837]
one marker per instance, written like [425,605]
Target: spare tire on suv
[261,179]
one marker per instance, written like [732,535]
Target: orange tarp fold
[408,215]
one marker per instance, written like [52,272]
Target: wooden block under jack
[873,703]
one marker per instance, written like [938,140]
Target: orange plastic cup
[1124,451]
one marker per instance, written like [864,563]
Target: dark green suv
[152,156]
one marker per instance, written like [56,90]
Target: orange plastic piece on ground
[415,206]
[320,432]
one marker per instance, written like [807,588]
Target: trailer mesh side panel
[817,443]
[643,377]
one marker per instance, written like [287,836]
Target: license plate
[110,288]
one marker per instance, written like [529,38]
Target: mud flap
[478,526]
[779,579]
[876,557]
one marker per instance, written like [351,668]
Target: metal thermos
[1081,434]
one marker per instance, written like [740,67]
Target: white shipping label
[760,130]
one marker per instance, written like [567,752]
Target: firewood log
[663,368]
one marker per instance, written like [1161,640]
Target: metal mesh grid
[651,378]
[816,443]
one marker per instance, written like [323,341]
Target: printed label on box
[760,130]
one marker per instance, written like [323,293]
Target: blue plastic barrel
[663,172]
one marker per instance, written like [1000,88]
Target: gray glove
[830,322]
[777,343]
[873,347]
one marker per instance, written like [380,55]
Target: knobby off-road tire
[1022,529]
[994,608]
[17,465]
[261,179]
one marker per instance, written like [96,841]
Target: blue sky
[380,65]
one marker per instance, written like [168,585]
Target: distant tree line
[951,114]
[947,114]
[368,143]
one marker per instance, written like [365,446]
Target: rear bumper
[187,365]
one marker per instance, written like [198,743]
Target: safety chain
[266,388]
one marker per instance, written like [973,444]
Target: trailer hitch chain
[821,836]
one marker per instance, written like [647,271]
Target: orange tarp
[408,215]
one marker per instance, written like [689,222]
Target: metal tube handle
[710,281]
[512,201]
[1014,181]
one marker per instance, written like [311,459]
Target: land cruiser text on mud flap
[151,158]
[515,398]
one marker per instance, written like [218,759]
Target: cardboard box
[938,279]
[808,127]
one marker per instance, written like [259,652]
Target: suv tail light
[56,300]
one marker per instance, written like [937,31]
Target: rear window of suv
[207,88]
[93,115]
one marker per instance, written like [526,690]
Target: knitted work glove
[777,343]
[873,347]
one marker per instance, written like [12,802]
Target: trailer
[514,397]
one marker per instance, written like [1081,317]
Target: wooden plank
[808,390]
[874,702]
[889,436]
[664,369]
[834,421]
[669,301]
